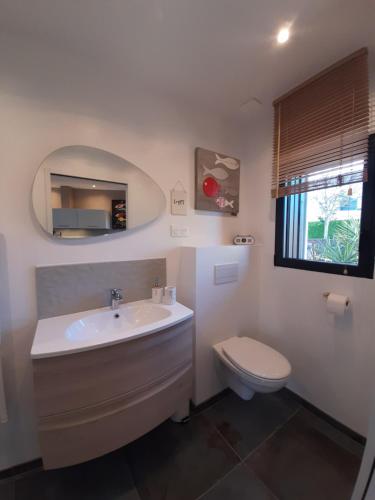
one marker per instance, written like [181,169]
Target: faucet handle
[116,293]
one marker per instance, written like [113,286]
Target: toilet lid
[256,358]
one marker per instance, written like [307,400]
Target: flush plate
[226,273]
[179,231]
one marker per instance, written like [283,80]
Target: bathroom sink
[115,322]
[102,327]
[145,313]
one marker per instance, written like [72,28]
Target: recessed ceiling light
[283,35]
[94,186]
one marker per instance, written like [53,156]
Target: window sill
[322,267]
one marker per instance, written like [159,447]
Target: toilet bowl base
[234,382]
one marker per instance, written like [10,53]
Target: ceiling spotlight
[283,35]
[94,186]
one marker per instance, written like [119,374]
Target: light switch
[178,231]
[226,273]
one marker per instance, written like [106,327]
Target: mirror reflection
[86,204]
[81,192]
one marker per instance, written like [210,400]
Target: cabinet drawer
[65,218]
[79,436]
[73,381]
[93,219]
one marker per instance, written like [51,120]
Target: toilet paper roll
[337,304]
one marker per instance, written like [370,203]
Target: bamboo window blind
[321,130]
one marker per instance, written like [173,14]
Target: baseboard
[20,469]
[209,402]
[335,423]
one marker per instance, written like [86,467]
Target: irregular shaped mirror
[80,191]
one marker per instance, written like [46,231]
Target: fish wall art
[217,182]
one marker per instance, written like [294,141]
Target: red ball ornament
[211,187]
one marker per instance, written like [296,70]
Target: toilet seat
[256,359]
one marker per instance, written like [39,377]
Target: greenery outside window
[329,230]
[323,171]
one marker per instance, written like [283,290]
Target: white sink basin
[101,327]
[115,322]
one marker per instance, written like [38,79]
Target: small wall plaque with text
[178,201]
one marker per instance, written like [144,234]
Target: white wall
[331,359]
[45,105]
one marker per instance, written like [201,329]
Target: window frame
[365,268]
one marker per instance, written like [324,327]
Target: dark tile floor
[269,448]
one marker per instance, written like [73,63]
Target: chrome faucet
[117,298]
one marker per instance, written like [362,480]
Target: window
[329,230]
[324,173]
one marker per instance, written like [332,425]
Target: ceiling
[214,53]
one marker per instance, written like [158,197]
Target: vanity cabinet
[90,403]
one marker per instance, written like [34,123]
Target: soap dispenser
[157,292]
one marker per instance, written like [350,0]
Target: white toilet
[248,366]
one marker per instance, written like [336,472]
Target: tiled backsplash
[78,287]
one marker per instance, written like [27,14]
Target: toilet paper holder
[326,294]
